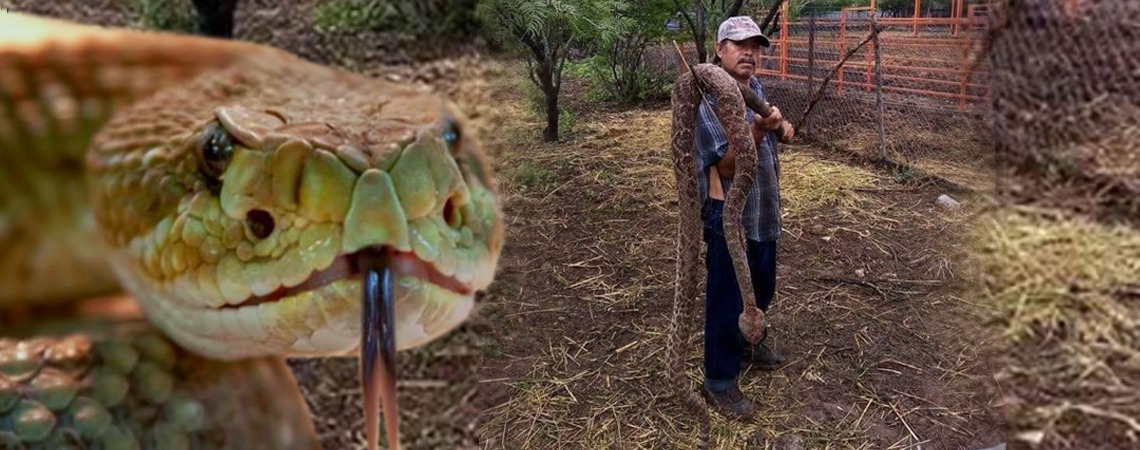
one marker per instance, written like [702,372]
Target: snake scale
[242,197]
[688,91]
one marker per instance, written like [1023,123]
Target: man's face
[739,58]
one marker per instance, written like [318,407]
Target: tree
[544,31]
[216,17]
[624,29]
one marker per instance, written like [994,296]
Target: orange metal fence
[922,56]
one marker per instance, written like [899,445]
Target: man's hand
[788,133]
[774,122]
[770,123]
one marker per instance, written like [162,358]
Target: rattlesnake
[687,96]
[240,195]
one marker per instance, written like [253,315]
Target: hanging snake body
[227,188]
[688,91]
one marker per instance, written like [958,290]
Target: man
[738,48]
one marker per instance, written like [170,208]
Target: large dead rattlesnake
[687,96]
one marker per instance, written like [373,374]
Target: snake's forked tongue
[378,346]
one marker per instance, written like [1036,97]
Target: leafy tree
[167,15]
[425,19]
[542,29]
[625,28]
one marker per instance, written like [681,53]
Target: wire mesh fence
[1067,81]
[933,97]
[1066,84]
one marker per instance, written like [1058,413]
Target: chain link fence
[924,103]
[912,94]
[1067,82]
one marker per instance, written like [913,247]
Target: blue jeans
[724,343]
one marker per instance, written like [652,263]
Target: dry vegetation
[1067,287]
[885,351]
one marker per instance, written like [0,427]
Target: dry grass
[808,183]
[1052,273]
[1066,288]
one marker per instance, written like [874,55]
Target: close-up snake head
[244,213]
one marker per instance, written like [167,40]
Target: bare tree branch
[735,9]
[819,93]
[772,11]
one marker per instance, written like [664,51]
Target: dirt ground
[885,348]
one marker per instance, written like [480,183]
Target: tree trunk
[767,26]
[550,134]
[543,76]
[216,17]
[699,36]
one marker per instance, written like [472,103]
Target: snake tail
[378,347]
[686,97]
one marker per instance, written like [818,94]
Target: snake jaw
[345,267]
[429,209]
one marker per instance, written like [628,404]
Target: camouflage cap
[741,28]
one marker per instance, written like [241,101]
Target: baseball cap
[740,28]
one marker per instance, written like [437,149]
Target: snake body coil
[730,111]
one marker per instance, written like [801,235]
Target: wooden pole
[879,90]
[811,52]
[784,15]
[842,48]
[870,56]
[953,23]
[966,62]
[811,60]
[917,7]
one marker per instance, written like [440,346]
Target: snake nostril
[451,213]
[260,223]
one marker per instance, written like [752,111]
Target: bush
[645,83]
[422,18]
[166,15]
[355,15]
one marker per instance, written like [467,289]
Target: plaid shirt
[762,209]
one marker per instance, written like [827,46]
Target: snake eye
[451,135]
[215,148]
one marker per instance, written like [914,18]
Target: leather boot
[731,403]
[763,356]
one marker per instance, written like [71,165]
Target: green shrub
[423,18]
[165,15]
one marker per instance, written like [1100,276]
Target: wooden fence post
[879,91]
